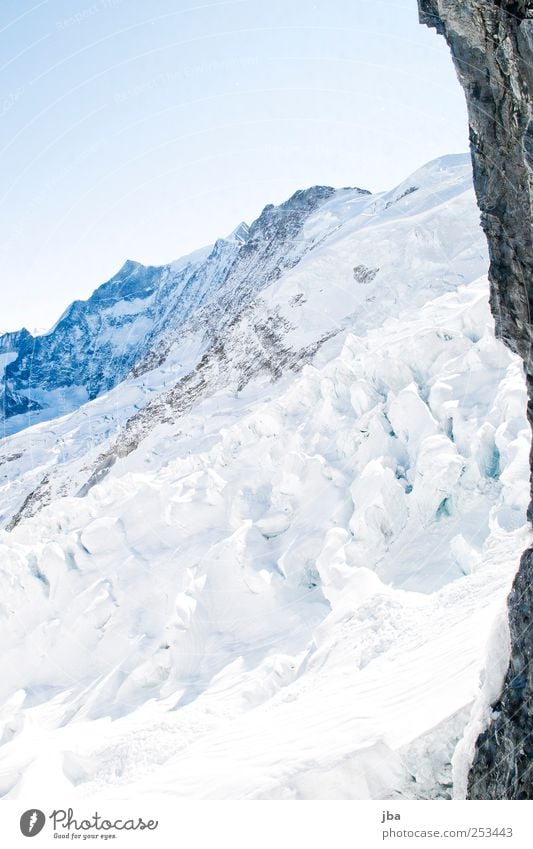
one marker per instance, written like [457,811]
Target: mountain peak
[134,318]
[129,267]
[239,234]
[309,198]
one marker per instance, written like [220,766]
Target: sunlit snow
[295,589]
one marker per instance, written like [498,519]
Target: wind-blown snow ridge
[268,564]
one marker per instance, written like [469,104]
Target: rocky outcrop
[491,42]
[503,766]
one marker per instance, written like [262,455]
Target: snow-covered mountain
[269,557]
[141,310]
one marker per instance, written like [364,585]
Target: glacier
[261,510]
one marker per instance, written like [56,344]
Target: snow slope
[273,562]
[350,259]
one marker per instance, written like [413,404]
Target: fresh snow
[293,588]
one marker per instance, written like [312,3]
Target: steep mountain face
[134,318]
[10,345]
[492,47]
[91,347]
[395,252]
[306,491]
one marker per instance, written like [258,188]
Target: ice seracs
[268,562]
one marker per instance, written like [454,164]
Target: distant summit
[131,322]
[96,343]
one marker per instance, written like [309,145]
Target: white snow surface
[295,590]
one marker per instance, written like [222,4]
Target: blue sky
[143,130]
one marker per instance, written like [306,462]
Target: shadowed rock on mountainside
[491,42]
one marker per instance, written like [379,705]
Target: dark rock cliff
[491,42]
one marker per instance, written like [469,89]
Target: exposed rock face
[503,766]
[492,47]
[129,323]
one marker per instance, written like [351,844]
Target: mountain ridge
[268,312]
[96,342]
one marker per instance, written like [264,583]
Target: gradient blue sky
[142,130]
